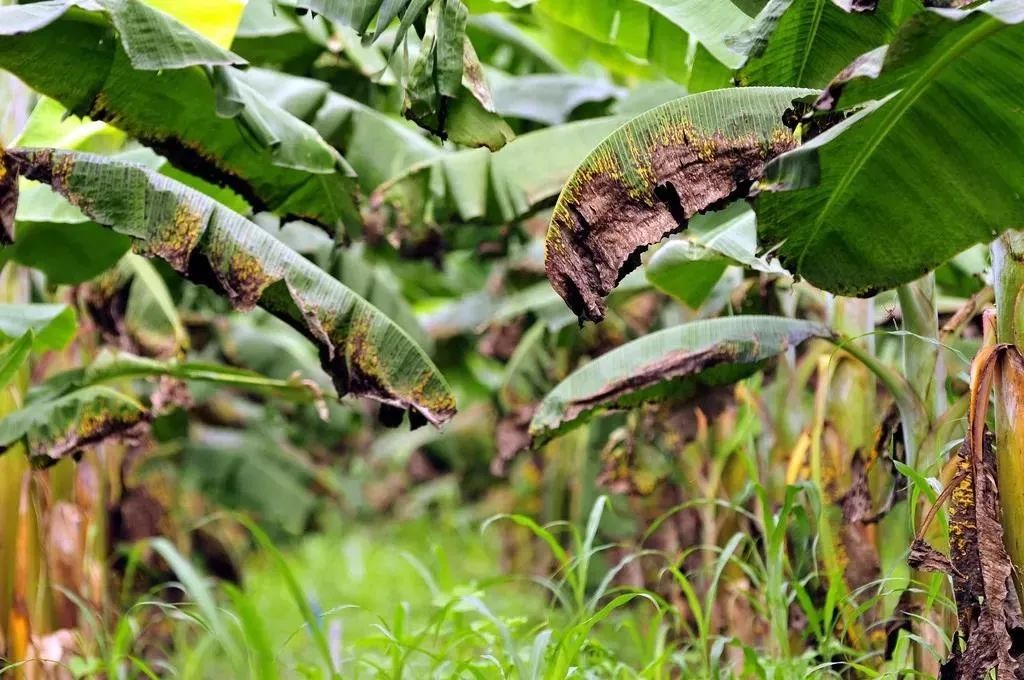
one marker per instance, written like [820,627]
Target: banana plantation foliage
[529,339]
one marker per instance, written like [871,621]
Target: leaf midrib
[815,24]
[911,94]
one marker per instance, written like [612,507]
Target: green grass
[428,598]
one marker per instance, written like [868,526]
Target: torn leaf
[651,176]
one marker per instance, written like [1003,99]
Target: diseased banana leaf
[649,177]
[55,428]
[674,363]
[851,210]
[365,352]
[175,91]
[77,408]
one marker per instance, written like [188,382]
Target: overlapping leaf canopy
[124,62]
[850,210]
[364,351]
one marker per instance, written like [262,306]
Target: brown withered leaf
[926,558]
[652,175]
[856,532]
[8,198]
[501,340]
[980,568]
[512,437]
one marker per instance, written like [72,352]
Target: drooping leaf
[548,98]
[476,186]
[364,15]
[364,351]
[647,179]
[55,428]
[806,42]
[377,146]
[447,93]
[130,65]
[52,325]
[849,209]
[670,364]
[45,218]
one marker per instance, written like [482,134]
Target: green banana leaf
[649,177]
[378,146]
[674,363]
[477,186]
[689,265]
[113,367]
[52,325]
[938,125]
[78,408]
[13,357]
[655,30]
[365,352]
[446,93]
[172,89]
[806,42]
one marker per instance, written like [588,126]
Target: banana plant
[841,182]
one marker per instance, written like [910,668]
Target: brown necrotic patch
[671,366]
[609,215]
[175,238]
[8,197]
